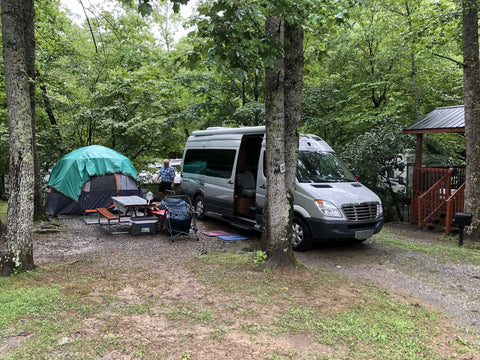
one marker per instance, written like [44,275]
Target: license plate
[363,234]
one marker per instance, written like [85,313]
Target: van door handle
[263,186]
[230,182]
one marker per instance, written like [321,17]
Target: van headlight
[328,209]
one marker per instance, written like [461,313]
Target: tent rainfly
[87,178]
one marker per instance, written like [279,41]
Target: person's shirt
[167,174]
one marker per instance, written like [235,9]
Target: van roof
[308,142]
[219,130]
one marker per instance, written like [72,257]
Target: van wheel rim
[199,207]
[297,234]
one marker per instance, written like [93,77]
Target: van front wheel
[199,206]
[301,239]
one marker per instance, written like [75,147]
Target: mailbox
[461,220]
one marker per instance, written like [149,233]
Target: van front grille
[361,212]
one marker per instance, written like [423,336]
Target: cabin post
[419,151]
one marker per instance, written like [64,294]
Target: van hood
[340,193]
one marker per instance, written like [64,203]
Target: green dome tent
[87,178]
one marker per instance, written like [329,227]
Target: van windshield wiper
[325,180]
[338,179]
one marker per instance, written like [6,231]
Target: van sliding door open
[246,175]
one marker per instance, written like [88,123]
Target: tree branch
[89,26]
[459,63]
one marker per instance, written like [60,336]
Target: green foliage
[259,257]
[374,156]
[140,95]
[376,153]
[363,71]
[444,149]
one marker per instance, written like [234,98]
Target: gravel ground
[452,288]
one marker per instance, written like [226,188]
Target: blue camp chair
[179,216]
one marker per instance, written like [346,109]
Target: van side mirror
[355,175]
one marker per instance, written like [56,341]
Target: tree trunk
[29,37]
[15,27]
[276,241]
[293,108]
[471,90]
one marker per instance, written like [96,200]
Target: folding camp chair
[179,216]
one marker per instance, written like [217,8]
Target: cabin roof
[440,120]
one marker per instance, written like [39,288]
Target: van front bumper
[325,230]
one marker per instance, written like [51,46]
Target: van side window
[210,162]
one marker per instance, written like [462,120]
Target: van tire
[301,238]
[199,206]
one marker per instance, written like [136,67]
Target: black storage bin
[144,225]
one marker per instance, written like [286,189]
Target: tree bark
[471,89]
[16,26]
[276,241]
[293,107]
[29,38]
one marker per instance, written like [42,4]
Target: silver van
[223,171]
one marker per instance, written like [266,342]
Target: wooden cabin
[437,193]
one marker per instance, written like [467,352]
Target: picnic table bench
[108,215]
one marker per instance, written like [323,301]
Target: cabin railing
[455,204]
[433,201]
[437,194]
[425,178]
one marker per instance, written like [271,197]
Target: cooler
[143,225]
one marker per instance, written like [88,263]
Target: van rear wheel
[301,238]
[199,206]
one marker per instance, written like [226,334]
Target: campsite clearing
[124,297]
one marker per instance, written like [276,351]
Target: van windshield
[318,167]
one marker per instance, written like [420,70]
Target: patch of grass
[20,299]
[190,312]
[219,334]
[38,311]
[48,309]
[450,250]
[378,329]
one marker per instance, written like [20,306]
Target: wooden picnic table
[131,203]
